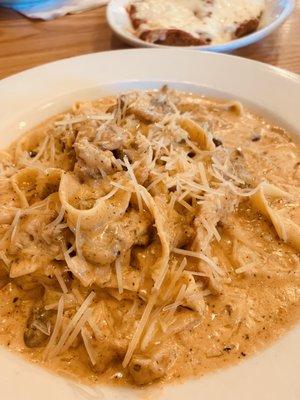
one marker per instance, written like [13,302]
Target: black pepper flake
[137,367]
[255,138]
[32,153]
[70,275]
[228,308]
[15,299]
[228,348]
[191,154]
[217,142]
[243,354]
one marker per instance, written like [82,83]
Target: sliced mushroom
[33,335]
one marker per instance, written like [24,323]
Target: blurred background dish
[27,3]
[51,9]
[276,12]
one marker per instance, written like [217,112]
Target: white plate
[277,11]
[33,95]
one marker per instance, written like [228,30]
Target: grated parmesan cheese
[58,323]
[134,181]
[60,280]
[215,268]
[118,266]
[88,346]
[76,323]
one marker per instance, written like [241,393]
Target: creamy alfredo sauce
[256,303]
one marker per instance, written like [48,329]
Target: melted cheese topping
[216,19]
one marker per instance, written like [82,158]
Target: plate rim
[263,65]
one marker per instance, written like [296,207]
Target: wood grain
[25,43]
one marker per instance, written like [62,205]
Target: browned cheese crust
[247,27]
[172,37]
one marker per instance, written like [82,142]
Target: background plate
[277,11]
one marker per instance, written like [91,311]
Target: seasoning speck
[217,142]
[228,348]
[117,375]
[137,367]
[32,154]
[255,138]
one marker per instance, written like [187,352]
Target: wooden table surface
[25,43]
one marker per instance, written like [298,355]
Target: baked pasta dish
[194,22]
[148,236]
